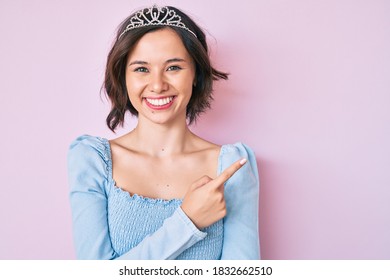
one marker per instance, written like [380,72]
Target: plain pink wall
[309,91]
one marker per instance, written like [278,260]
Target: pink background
[309,91]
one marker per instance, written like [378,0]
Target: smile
[159,103]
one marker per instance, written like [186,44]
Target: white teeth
[160,102]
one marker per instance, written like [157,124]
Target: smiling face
[159,77]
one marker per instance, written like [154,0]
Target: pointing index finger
[229,172]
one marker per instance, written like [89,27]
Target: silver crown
[155,16]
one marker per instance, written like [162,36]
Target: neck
[161,140]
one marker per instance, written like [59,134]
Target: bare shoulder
[124,142]
[207,148]
[120,147]
[205,156]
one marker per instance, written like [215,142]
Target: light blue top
[109,223]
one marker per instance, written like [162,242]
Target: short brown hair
[115,79]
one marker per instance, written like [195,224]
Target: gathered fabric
[110,223]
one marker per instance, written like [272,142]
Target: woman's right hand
[204,202]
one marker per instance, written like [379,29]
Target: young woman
[160,191]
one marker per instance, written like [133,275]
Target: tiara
[155,16]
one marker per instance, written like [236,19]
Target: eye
[141,69]
[174,68]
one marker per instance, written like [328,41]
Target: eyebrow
[176,59]
[137,62]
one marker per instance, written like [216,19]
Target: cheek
[189,91]
[187,84]
[134,86]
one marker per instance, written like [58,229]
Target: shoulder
[89,142]
[91,153]
[207,147]
[88,145]
[238,149]
[233,152]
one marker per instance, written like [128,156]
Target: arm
[88,166]
[241,235]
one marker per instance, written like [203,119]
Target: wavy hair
[115,79]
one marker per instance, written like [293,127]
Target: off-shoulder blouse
[109,223]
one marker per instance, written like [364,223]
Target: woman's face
[159,77]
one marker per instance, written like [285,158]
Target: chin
[164,120]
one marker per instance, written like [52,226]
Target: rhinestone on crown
[155,16]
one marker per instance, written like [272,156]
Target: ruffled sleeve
[89,168]
[241,234]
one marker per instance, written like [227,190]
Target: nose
[157,83]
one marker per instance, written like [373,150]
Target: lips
[159,103]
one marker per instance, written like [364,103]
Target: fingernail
[242,162]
